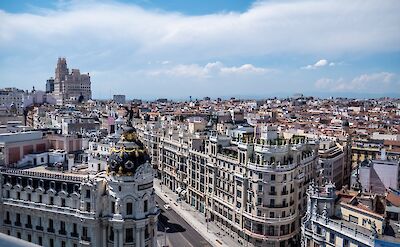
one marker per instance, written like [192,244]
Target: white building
[67,209]
[254,190]
[11,100]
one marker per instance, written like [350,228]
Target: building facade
[346,218]
[72,86]
[119,98]
[50,85]
[113,208]
[255,190]
[11,100]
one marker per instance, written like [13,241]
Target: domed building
[113,208]
[132,209]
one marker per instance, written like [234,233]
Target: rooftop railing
[56,176]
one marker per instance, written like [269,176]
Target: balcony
[50,230]
[7,222]
[85,238]
[272,193]
[18,224]
[276,205]
[285,192]
[74,235]
[62,232]
[39,228]
[28,226]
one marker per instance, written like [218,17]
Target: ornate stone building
[72,86]
[253,189]
[115,207]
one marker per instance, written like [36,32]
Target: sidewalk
[214,235]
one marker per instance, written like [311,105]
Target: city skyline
[151,49]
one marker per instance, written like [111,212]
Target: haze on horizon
[176,49]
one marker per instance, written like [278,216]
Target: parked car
[167,206]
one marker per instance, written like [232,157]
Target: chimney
[70,162]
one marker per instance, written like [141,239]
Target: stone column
[137,239]
[104,238]
[115,238]
[142,237]
[154,232]
[120,238]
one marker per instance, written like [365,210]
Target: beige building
[255,191]
[70,87]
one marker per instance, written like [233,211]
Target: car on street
[167,206]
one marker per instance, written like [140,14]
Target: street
[179,233]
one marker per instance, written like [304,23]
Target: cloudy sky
[179,48]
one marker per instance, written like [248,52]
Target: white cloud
[321,63]
[208,70]
[116,37]
[371,83]
[267,27]
[318,64]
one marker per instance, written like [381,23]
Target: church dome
[128,154]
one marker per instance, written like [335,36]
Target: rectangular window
[29,238]
[40,240]
[113,207]
[88,206]
[111,233]
[51,242]
[353,219]
[75,228]
[18,216]
[129,235]
[129,208]
[29,197]
[62,202]
[51,200]
[272,177]
[331,238]
[146,232]
[19,195]
[84,231]
[145,206]
[40,198]
[87,193]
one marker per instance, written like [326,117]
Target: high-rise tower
[70,87]
[61,69]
